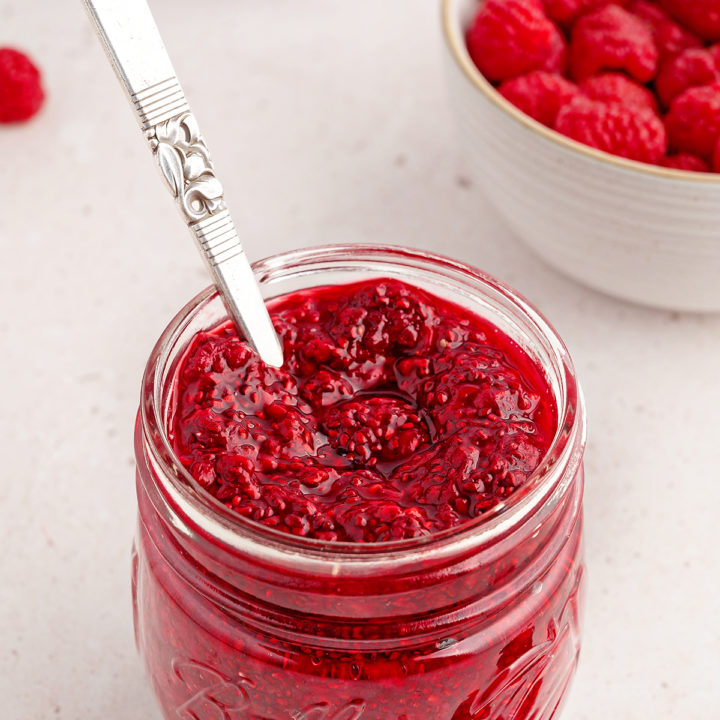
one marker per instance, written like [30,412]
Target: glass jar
[237,621]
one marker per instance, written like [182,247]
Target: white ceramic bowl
[636,231]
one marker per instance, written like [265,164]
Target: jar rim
[197,512]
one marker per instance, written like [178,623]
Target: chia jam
[386,528]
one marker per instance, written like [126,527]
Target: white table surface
[328,122]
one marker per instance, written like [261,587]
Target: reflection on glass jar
[236,621]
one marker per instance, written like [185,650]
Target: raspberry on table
[670,38]
[512,37]
[567,11]
[539,94]
[21,92]
[619,88]
[716,157]
[691,68]
[629,132]
[693,123]
[685,161]
[611,38]
[701,16]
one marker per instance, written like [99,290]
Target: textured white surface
[328,122]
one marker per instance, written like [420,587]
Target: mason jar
[237,621]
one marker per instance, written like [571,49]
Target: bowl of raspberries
[594,127]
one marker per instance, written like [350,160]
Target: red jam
[396,414]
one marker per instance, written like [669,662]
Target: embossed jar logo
[324,711]
[214,696]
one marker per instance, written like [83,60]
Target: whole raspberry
[567,11]
[539,94]
[685,161]
[619,88]
[21,94]
[693,123]
[716,157]
[632,133]
[612,39]
[512,37]
[690,68]
[701,16]
[670,37]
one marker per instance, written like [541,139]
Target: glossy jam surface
[396,414]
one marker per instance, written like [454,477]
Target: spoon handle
[134,46]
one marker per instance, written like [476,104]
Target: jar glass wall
[235,620]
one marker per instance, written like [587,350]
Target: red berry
[633,133]
[685,161]
[716,157]
[701,16]
[377,429]
[693,123]
[21,93]
[539,94]
[619,88]
[567,11]
[512,37]
[690,68]
[670,37]
[612,39]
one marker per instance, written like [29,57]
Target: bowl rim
[462,57]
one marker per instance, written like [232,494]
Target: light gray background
[328,122]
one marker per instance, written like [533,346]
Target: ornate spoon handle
[133,44]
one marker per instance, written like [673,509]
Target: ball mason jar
[237,621]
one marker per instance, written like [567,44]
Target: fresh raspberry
[619,88]
[685,161]
[612,39]
[690,68]
[693,123]
[632,133]
[513,37]
[701,16]
[21,93]
[670,37]
[539,94]
[567,11]
[716,157]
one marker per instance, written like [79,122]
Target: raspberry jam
[388,528]
[396,414]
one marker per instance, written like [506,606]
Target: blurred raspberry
[513,37]
[670,37]
[701,16]
[716,157]
[21,94]
[619,88]
[567,11]
[612,39]
[539,94]
[693,123]
[685,161]
[633,133]
[690,68]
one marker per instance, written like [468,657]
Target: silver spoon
[133,44]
